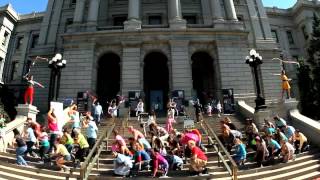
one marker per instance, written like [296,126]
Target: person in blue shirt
[31,140]
[289,132]
[274,147]
[141,159]
[92,131]
[122,164]
[175,161]
[241,152]
[97,111]
[279,122]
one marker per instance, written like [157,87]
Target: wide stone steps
[305,166]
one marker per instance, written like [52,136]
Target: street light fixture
[255,60]
[56,64]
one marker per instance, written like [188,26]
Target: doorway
[108,79]
[156,81]
[203,80]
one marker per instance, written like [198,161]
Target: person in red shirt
[198,159]
[35,126]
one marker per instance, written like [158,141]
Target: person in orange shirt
[285,84]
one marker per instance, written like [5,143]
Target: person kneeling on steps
[62,156]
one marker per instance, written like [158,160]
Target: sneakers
[205,171]
[164,176]
[194,173]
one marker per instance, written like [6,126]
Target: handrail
[95,152]
[233,170]
[18,121]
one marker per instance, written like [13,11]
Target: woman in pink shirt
[159,160]
[53,127]
[187,137]
[170,120]
[119,143]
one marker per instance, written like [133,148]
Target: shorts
[67,158]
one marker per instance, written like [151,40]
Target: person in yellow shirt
[83,145]
[67,140]
[285,84]
[62,155]
[301,142]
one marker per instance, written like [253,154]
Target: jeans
[20,153]
[69,147]
[82,153]
[91,142]
[97,118]
[43,151]
[53,138]
[29,148]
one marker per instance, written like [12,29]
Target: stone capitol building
[155,46]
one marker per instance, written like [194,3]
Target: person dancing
[285,84]
[30,90]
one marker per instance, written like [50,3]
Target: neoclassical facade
[155,46]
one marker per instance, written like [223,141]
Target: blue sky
[28,6]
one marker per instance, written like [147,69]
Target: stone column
[254,20]
[216,10]
[133,23]
[93,14]
[230,10]
[206,12]
[131,65]
[45,23]
[175,15]
[264,20]
[54,23]
[78,13]
[181,67]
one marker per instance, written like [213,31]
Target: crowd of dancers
[161,148]
[278,141]
[62,142]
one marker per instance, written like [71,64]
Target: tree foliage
[309,77]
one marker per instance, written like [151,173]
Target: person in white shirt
[139,108]
[112,110]
[97,111]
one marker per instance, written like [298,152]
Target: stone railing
[307,126]
[244,109]
[18,124]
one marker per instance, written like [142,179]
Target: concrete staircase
[105,170]
[305,166]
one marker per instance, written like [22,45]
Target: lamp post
[254,60]
[55,64]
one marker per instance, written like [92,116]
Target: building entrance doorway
[203,77]
[156,81]
[108,78]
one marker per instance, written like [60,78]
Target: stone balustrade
[18,124]
[244,109]
[309,127]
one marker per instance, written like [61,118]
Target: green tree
[306,90]
[314,61]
